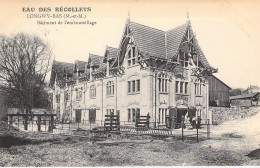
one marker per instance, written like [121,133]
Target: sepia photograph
[129,83]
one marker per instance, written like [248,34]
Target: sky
[227,30]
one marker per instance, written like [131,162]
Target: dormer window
[184,59]
[132,56]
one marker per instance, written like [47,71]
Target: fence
[28,122]
[181,130]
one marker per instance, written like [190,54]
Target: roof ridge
[62,62]
[147,26]
[176,27]
[112,47]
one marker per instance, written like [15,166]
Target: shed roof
[244,96]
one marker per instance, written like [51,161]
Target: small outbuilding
[245,100]
[218,93]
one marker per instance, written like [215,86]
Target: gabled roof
[244,96]
[149,40]
[221,82]
[102,68]
[94,60]
[202,57]
[163,44]
[174,38]
[59,69]
[81,65]
[111,53]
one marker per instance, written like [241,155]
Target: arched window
[132,56]
[93,91]
[163,83]
[110,88]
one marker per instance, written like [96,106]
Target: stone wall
[222,114]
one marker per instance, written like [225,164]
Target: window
[183,59]
[198,87]
[58,98]
[110,88]
[163,83]
[132,56]
[93,91]
[78,94]
[110,111]
[133,114]
[162,115]
[133,86]
[186,88]
[177,87]
[129,86]
[138,85]
[181,87]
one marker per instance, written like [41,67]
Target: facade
[151,72]
[218,92]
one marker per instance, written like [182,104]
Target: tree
[235,92]
[24,63]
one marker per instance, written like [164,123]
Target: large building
[152,71]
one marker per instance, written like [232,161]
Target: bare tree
[24,63]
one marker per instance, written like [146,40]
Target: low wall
[222,114]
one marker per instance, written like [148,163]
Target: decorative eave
[156,63]
[119,70]
[83,78]
[99,74]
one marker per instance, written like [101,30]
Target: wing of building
[218,92]
[155,72]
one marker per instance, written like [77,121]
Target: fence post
[78,125]
[89,125]
[45,123]
[208,129]
[32,123]
[51,125]
[148,120]
[69,124]
[182,128]
[39,123]
[25,122]
[197,126]
[10,120]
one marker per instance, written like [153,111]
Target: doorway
[181,112]
[92,115]
[78,116]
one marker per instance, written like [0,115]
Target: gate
[142,121]
[112,122]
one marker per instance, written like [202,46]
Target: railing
[181,130]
